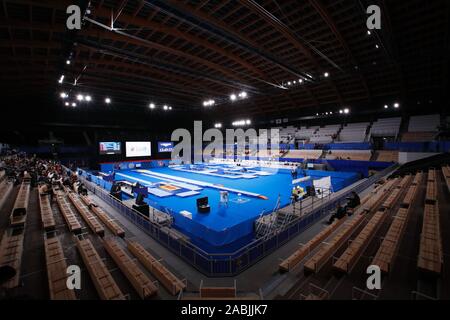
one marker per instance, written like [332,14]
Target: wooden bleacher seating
[430,250]
[325,252]
[387,156]
[67,212]
[315,263]
[294,259]
[11,249]
[446,174]
[303,154]
[87,216]
[140,281]
[431,194]
[103,216]
[47,218]
[360,155]
[418,136]
[352,254]
[103,281]
[19,212]
[5,190]
[354,251]
[57,271]
[156,268]
[394,195]
[217,292]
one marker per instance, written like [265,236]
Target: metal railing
[225,264]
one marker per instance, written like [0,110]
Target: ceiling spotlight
[74,104]
[218,125]
[67,104]
[170,108]
[289,83]
[386,106]
[152,106]
[243,94]
[368,32]
[107,100]
[396,105]
[377,46]
[300,80]
[67,61]
[233,97]
[295,82]
[326,74]
[165,107]
[88,98]
[331,112]
[63,95]
[248,122]
[317,114]
[326,113]
[340,111]
[346,110]
[80,97]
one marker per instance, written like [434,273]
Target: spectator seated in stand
[339,214]
[353,202]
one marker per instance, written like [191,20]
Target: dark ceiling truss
[181,52]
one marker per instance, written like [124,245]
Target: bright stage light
[243,94]
[218,125]
[340,111]
[326,74]
[74,104]
[67,62]
[63,95]
[152,106]
[107,100]
[396,105]
[165,107]
[233,97]
[88,98]
[61,79]
[67,104]
[80,97]
[386,106]
[346,111]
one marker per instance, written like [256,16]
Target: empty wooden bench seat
[11,248]
[156,268]
[352,254]
[418,178]
[47,218]
[141,283]
[326,250]
[68,214]
[294,259]
[57,271]
[87,216]
[5,190]
[431,194]
[385,253]
[430,250]
[112,225]
[103,281]
[431,175]
[377,196]
[446,174]
[18,214]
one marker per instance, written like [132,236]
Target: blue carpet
[226,228]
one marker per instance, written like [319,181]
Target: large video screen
[138,149]
[110,148]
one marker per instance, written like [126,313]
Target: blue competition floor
[225,228]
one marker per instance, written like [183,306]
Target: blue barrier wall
[431,146]
[348,146]
[145,164]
